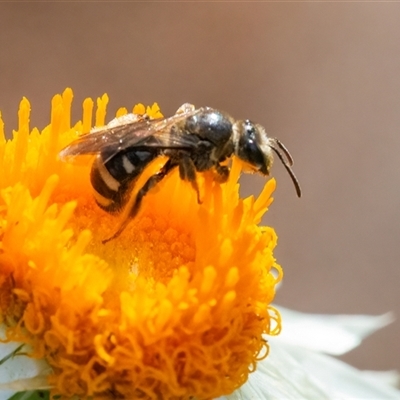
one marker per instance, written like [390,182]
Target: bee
[193,140]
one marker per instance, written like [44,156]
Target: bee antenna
[285,151]
[287,164]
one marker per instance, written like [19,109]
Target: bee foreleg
[187,172]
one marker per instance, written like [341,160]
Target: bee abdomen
[112,180]
[107,189]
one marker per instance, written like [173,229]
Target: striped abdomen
[113,180]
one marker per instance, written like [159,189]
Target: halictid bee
[194,140]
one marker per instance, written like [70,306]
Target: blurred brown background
[323,77]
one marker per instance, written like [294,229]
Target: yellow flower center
[174,308]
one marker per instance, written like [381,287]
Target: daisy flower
[177,307]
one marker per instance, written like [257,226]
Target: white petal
[339,379]
[20,373]
[389,378]
[23,385]
[332,334]
[297,373]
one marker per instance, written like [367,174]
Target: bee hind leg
[150,183]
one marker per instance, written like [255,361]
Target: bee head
[255,148]
[252,146]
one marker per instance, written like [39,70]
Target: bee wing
[100,138]
[130,131]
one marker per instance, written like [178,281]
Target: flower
[177,306]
